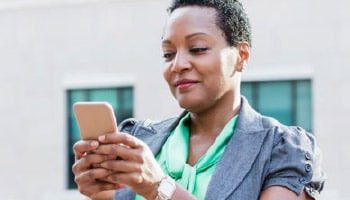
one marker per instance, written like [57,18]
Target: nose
[181,62]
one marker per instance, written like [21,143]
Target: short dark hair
[231,18]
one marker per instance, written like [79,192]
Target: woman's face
[200,67]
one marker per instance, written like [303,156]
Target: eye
[168,56]
[199,50]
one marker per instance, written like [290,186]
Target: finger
[121,166]
[91,176]
[121,151]
[91,189]
[131,178]
[88,161]
[108,157]
[82,146]
[120,138]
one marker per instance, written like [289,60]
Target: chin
[185,105]
[190,103]
[190,107]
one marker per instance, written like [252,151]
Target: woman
[219,148]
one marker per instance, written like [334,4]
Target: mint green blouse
[174,153]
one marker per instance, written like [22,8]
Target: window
[288,101]
[121,99]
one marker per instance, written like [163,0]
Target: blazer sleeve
[295,162]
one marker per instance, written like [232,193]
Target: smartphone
[94,119]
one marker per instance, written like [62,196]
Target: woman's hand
[135,167]
[88,177]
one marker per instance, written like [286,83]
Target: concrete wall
[49,46]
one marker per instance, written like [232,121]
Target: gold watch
[166,188]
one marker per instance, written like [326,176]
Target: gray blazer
[261,153]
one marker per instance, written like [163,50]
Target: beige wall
[49,46]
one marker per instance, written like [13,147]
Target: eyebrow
[186,37]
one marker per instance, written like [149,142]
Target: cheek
[226,68]
[221,71]
[228,60]
[219,79]
[166,75]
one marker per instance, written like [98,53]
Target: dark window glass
[287,101]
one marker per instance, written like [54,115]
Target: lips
[184,83]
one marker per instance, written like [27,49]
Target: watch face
[166,188]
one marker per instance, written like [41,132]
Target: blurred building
[55,52]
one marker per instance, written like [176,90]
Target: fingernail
[94,144]
[102,138]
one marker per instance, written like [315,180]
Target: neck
[212,121]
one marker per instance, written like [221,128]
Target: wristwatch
[166,188]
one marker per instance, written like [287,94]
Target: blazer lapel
[239,155]
[158,133]
[234,164]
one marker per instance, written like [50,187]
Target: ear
[244,55]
